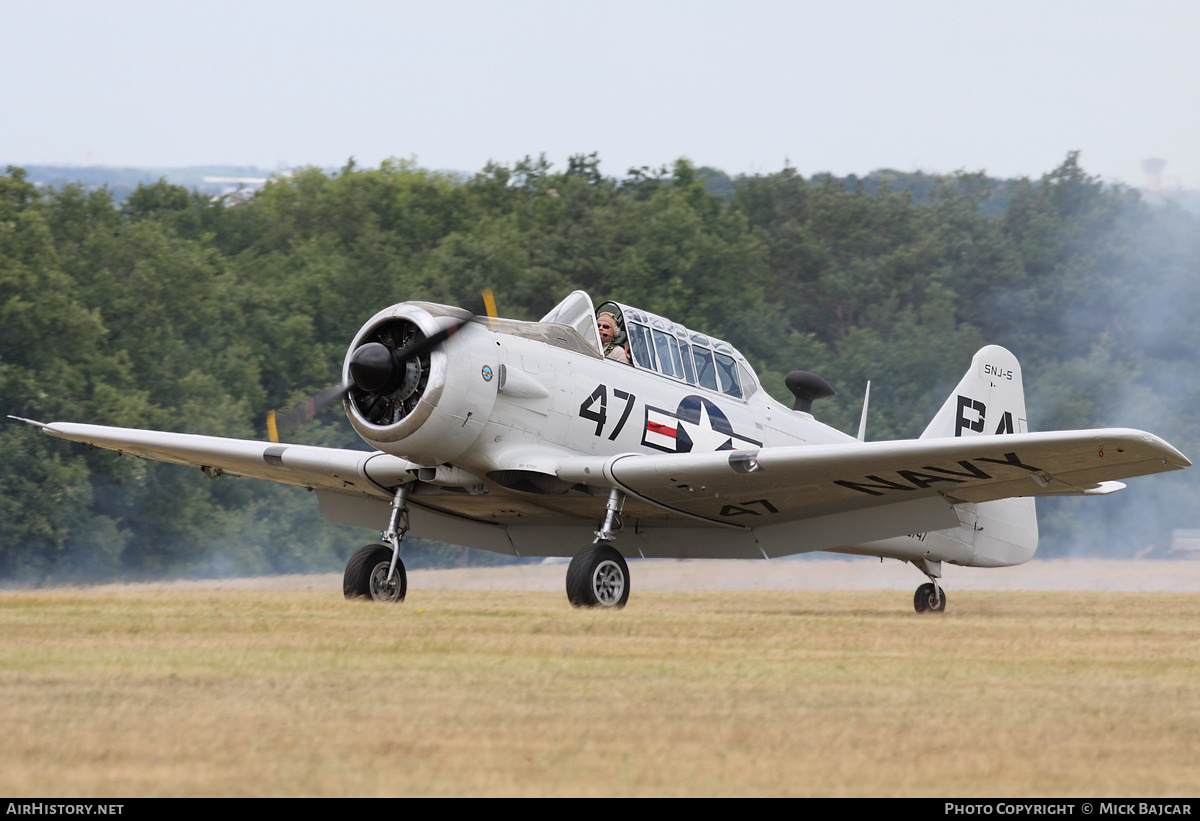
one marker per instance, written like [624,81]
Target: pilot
[610,335]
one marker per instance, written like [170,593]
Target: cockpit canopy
[656,344]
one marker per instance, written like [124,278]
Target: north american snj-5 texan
[525,438]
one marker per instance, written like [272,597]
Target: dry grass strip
[110,692]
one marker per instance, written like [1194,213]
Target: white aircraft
[523,438]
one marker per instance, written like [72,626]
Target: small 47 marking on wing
[743,508]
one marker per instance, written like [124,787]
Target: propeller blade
[303,411]
[418,348]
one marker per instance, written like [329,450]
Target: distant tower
[1153,168]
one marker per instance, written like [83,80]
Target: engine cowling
[427,404]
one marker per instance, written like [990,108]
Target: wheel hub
[608,583]
[381,588]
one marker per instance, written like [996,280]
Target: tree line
[178,311]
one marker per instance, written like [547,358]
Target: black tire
[598,577]
[366,575]
[929,598]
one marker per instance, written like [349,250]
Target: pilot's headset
[620,338]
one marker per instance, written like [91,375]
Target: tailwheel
[367,576]
[929,597]
[598,577]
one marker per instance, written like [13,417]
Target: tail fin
[990,401]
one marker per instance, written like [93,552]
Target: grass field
[144,692]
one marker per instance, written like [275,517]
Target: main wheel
[598,577]
[366,576]
[928,597]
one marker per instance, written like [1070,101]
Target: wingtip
[33,422]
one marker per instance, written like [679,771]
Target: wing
[771,485]
[346,471]
[751,503]
[794,499]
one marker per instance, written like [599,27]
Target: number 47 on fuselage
[524,438]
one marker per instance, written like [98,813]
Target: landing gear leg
[599,576]
[612,518]
[930,596]
[376,572]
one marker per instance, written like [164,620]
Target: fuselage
[502,393]
[498,419]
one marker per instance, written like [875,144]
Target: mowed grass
[127,692]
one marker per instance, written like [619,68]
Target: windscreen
[576,311]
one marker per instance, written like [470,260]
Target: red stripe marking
[659,428]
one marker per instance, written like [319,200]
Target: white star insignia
[704,437]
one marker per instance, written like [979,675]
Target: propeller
[387,375]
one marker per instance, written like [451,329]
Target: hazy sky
[1006,87]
